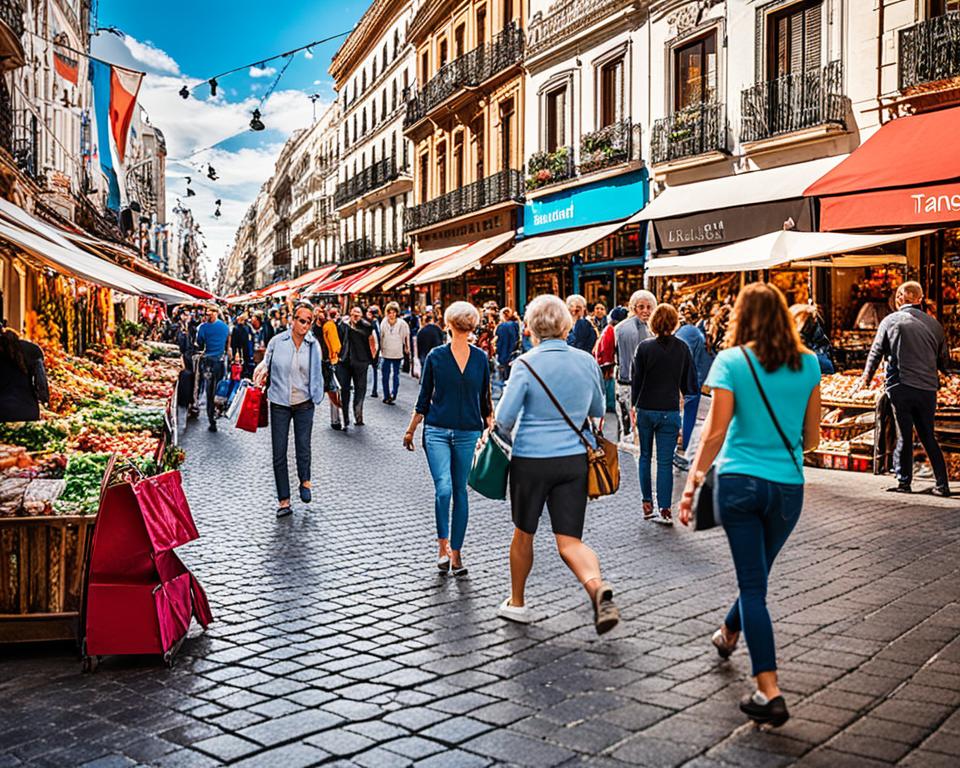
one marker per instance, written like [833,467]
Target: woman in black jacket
[663,371]
[23,380]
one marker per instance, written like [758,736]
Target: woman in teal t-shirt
[759,464]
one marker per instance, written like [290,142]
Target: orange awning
[403,278]
[375,277]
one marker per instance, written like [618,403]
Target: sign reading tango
[596,203]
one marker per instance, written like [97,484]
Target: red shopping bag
[264,418]
[254,404]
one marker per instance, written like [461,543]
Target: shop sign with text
[913,206]
[602,201]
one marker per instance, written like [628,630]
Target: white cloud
[262,71]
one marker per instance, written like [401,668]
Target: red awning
[907,174]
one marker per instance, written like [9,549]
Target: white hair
[547,317]
[639,296]
[462,315]
[576,300]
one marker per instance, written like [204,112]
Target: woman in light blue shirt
[765,412]
[294,367]
[549,461]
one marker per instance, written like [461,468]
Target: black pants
[212,370]
[352,375]
[914,409]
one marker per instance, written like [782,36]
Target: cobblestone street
[336,642]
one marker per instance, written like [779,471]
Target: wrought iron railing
[498,188]
[26,143]
[930,51]
[546,168]
[365,248]
[11,14]
[467,71]
[793,102]
[370,178]
[610,145]
[694,130]
[565,19]
[6,117]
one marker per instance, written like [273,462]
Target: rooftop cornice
[365,35]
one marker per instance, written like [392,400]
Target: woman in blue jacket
[294,367]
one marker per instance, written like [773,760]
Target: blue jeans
[449,455]
[665,427]
[757,516]
[280,418]
[691,404]
[389,366]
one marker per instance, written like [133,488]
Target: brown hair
[664,320]
[761,319]
[11,347]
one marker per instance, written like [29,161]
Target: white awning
[783,183]
[770,250]
[46,243]
[556,244]
[461,260]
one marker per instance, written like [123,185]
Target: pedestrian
[628,335]
[428,337]
[696,342]
[292,369]
[455,404]
[373,317]
[394,346]
[23,379]
[213,342]
[754,436]
[549,461]
[507,342]
[599,317]
[357,348]
[583,335]
[663,371]
[324,330]
[813,335]
[241,342]
[606,356]
[915,348]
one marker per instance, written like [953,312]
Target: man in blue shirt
[213,339]
[508,341]
[583,335]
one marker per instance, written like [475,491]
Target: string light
[256,124]
[213,86]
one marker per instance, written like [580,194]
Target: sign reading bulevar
[595,203]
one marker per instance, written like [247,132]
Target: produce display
[109,401]
[839,388]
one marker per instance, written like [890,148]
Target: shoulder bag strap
[773,418]
[556,403]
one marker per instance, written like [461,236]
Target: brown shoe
[605,614]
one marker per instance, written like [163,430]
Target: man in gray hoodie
[628,335]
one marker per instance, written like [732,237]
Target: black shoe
[941,490]
[305,495]
[386,400]
[900,488]
[336,425]
[774,712]
[212,427]
[284,511]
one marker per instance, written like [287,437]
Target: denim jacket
[278,359]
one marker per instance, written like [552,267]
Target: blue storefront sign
[596,203]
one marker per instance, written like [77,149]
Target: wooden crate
[42,574]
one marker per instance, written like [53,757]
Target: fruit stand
[848,426]
[109,401]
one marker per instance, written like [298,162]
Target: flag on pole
[124,87]
[100,77]
[67,68]
[115,92]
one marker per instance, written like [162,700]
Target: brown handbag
[603,462]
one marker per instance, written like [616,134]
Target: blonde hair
[392,306]
[547,317]
[462,316]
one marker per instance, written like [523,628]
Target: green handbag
[491,463]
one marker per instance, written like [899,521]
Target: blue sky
[180,42]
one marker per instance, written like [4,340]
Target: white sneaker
[513,613]
[662,519]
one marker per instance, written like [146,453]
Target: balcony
[546,168]
[567,19]
[364,248]
[794,103]
[281,257]
[370,178]
[611,145]
[697,130]
[11,32]
[929,53]
[501,187]
[468,71]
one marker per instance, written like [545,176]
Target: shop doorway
[598,286]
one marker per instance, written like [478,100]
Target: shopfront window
[549,276]
[695,72]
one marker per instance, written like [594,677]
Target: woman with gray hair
[549,461]
[455,403]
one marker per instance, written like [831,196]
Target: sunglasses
[304,321]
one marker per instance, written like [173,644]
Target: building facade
[372,71]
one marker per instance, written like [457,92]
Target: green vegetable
[35,435]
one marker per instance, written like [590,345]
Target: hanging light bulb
[184,92]
[256,124]
[213,86]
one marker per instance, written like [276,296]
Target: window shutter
[812,17]
[795,22]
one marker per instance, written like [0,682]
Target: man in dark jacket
[241,342]
[429,336]
[583,335]
[356,355]
[508,341]
[915,348]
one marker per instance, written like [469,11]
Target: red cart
[140,597]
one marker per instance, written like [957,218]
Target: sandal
[605,614]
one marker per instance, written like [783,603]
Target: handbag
[704,516]
[491,465]
[603,461]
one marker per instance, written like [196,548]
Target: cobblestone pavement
[336,642]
